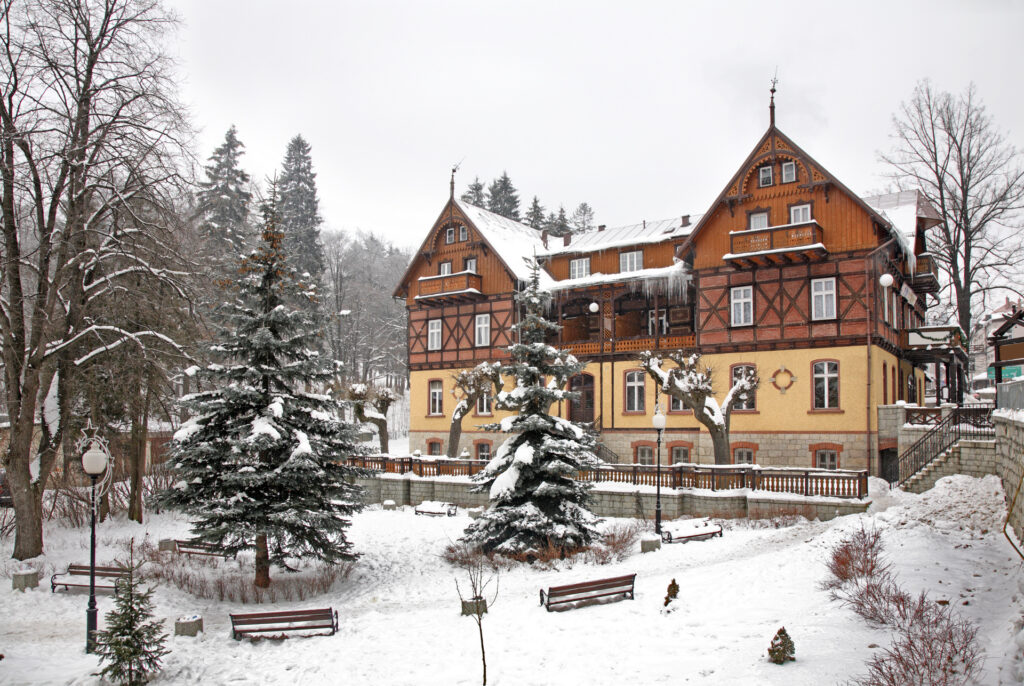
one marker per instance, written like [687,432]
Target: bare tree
[691,384]
[472,385]
[949,147]
[371,404]
[481,573]
[89,128]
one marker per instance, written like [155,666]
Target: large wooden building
[788,271]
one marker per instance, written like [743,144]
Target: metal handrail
[964,422]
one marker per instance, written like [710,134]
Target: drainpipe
[869,285]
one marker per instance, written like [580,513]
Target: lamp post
[94,461]
[658,421]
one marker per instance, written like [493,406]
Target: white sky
[644,110]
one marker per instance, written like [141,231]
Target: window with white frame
[895,310]
[483,330]
[436,397]
[470,265]
[826,385]
[449,235]
[742,305]
[644,454]
[799,214]
[434,334]
[444,269]
[631,261]
[635,392]
[885,306]
[680,453]
[743,456]
[579,268]
[788,172]
[483,404]
[483,451]
[758,220]
[656,319]
[764,176]
[463,233]
[823,298]
[675,405]
[826,459]
[746,401]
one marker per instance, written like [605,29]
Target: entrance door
[582,409]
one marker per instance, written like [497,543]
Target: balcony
[926,275]
[582,349]
[460,287]
[776,245]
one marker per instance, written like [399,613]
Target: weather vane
[771,104]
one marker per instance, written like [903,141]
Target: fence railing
[966,422]
[833,483]
[924,416]
[1010,395]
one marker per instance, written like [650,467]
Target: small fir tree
[673,592]
[558,224]
[503,198]
[782,649]
[535,215]
[224,202]
[132,644]
[535,500]
[475,194]
[259,466]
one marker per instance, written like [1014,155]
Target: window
[747,401]
[799,214]
[433,447]
[788,172]
[653,320]
[483,330]
[436,398]
[579,268]
[676,405]
[631,261]
[680,453]
[826,385]
[483,404]
[434,334]
[635,392]
[463,233]
[885,306]
[885,384]
[644,454]
[449,235]
[743,456]
[758,220]
[483,451]
[826,459]
[823,297]
[470,265]
[742,299]
[444,269]
[895,310]
[764,176]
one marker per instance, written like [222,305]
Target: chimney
[544,237]
[566,239]
[686,220]
[645,223]
[601,227]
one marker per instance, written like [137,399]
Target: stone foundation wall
[619,500]
[1009,465]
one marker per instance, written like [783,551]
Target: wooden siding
[458,344]
[607,261]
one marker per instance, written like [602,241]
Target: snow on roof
[677,270]
[902,209]
[621,236]
[514,242]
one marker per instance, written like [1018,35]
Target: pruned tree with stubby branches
[690,382]
[470,386]
[371,405]
[949,147]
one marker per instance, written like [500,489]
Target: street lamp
[95,461]
[658,421]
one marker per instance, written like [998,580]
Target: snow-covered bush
[672,593]
[855,558]
[782,649]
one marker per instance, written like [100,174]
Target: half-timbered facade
[821,291]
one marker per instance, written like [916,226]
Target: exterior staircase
[946,464]
[939,452]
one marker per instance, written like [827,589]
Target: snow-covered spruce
[224,202]
[535,500]
[258,466]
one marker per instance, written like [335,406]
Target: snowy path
[400,622]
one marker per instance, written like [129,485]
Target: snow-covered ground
[400,621]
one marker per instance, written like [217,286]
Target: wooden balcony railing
[926,275]
[449,285]
[837,483]
[629,345]
[791,236]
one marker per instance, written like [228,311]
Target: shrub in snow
[673,592]
[132,644]
[857,557]
[781,649]
[535,500]
[259,466]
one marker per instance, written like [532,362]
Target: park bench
[78,576]
[280,623]
[684,532]
[434,508]
[197,548]
[558,595]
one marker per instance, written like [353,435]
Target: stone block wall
[1009,463]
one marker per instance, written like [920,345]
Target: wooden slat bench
[78,576]
[281,622]
[434,508]
[683,532]
[558,595]
[198,548]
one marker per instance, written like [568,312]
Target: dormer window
[631,261]
[449,235]
[764,177]
[758,220]
[445,268]
[799,214]
[788,172]
[463,233]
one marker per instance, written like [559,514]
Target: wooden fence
[834,483]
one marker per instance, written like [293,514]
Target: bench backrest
[589,586]
[83,570]
[292,616]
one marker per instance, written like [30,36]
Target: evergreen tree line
[501,197]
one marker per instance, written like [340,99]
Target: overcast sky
[644,109]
